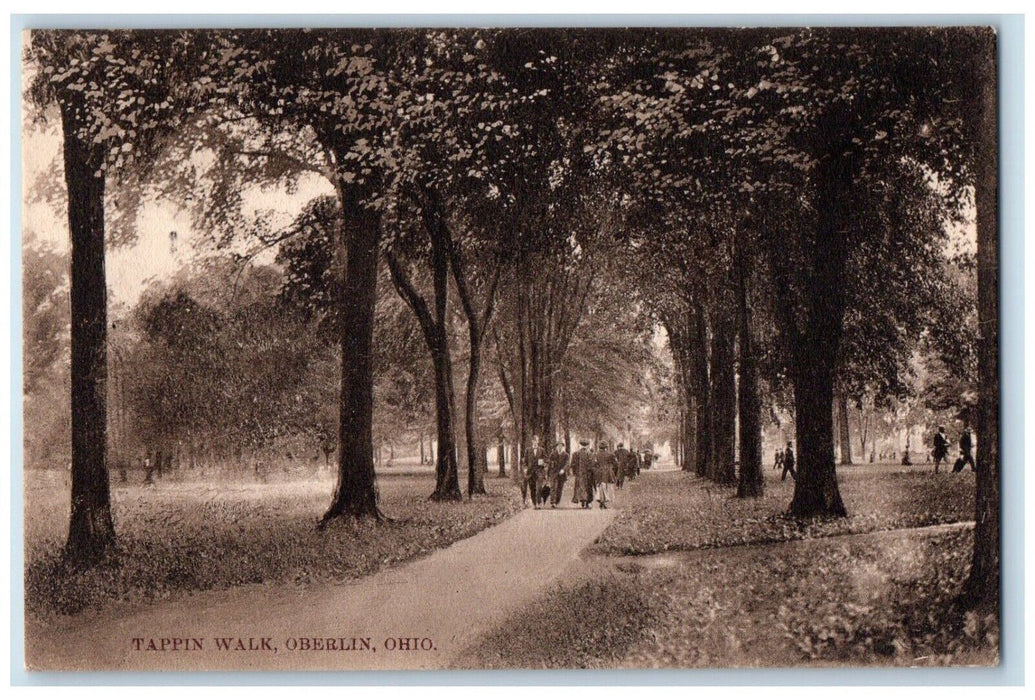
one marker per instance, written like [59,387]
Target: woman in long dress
[582,466]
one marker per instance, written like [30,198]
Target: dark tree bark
[355,494]
[475,445]
[844,429]
[699,348]
[91,531]
[447,480]
[477,323]
[864,428]
[751,483]
[815,491]
[501,458]
[815,347]
[690,432]
[724,402]
[550,300]
[434,328]
[686,448]
[982,585]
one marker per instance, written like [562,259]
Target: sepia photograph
[460,348]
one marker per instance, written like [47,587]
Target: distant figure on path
[788,464]
[148,471]
[534,474]
[606,468]
[778,460]
[623,458]
[557,473]
[966,452]
[941,447]
[262,470]
[582,465]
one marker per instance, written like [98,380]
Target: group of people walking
[941,450]
[785,460]
[596,472]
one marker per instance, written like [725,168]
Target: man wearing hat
[941,447]
[788,463]
[606,467]
[557,473]
[626,462]
[534,473]
[582,466]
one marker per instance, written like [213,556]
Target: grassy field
[689,577]
[871,600]
[673,511]
[179,537]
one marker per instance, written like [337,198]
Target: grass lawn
[671,511]
[688,576]
[180,537]
[879,599]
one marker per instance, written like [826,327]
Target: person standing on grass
[788,463]
[557,472]
[606,467]
[148,470]
[941,447]
[582,466]
[966,451]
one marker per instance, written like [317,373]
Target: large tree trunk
[685,451]
[751,483]
[433,322]
[843,429]
[475,446]
[864,429]
[447,480]
[691,427]
[355,494]
[815,347]
[689,434]
[476,327]
[724,403]
[91,531]
[982,586]
[815,491]
[699,348]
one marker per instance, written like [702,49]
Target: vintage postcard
[510,348]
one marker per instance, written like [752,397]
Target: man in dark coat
[606,468]
[966,452]
[626,465]
[557,472]
[534,473]
[582,466]
[788,464]
[941,447]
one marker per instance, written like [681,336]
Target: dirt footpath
[416,616]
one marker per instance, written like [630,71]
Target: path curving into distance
[418,615]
